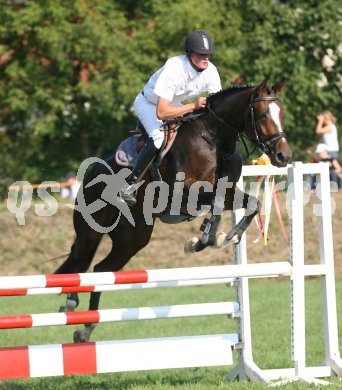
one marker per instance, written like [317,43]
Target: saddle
[129,148]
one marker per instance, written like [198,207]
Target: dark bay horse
[200,170]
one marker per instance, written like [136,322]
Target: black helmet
[200,42]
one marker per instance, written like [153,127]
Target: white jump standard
[332,364]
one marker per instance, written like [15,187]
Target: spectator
[326,127]
[72,186]
[322,155]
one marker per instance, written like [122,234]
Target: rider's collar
[198,70]
[193,71]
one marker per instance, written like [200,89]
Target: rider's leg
[146,112]
[144,159]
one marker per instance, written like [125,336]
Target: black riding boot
[144,159]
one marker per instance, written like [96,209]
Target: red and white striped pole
[145,276]
[116,315]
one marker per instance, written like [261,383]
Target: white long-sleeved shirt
[177,80]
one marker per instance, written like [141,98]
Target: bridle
[263,142]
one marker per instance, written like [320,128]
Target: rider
[180,78]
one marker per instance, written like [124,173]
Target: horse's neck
[233,109]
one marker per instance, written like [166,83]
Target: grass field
[270,312]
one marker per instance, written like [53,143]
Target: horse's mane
[223,93]
[232,89]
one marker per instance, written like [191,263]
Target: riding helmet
[200,42]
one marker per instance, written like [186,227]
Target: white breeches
[147,114]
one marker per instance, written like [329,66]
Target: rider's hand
[200,103]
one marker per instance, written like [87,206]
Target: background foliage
[69,71]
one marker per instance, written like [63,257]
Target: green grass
[270,312]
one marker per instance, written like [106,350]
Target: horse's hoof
[79,337]
[190,245]
[69,307]
[233,237]
[220,240]
[223,239]
[71,304]
[236,239]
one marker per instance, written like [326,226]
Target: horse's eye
[262,116]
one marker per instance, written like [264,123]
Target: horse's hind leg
[252,207]
[79,260]
[126,242]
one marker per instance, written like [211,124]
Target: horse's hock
[188,351]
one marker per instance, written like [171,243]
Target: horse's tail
[56,258]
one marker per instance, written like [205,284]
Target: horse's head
[265,125]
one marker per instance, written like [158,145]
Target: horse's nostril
[281,157]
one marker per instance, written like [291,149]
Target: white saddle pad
[126,153]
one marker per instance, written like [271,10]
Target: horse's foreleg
[209,228]
[252,207]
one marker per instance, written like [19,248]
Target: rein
[189,118]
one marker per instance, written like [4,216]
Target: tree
[296,40]
[69,71]
[63,84]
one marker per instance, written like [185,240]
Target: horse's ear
[262,87]
[279,86]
